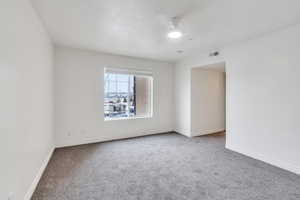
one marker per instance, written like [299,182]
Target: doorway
[208,99]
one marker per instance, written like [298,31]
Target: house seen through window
[128,94]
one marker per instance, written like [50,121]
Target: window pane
[127,95]
[112,77]
[122,77]
[112,87]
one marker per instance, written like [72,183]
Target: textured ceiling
[138,27]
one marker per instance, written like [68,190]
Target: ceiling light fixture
[174,32]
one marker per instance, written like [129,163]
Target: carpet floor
[162,167]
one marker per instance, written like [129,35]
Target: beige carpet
[162,167]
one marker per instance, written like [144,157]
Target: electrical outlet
[69,133]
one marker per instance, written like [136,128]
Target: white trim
[146,74]
[131,71]
[113,138]
[126,118]
[277,163]
[207,132]
[186,134]
[38,176]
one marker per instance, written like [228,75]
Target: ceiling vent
[214,54]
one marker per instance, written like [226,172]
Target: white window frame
[138,73]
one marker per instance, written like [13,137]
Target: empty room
[149,100]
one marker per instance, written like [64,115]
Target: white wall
[207,101]
[26,97]
[143,96]
[182,89]
[263,99]
[79,98]
[182,104]
[262,108]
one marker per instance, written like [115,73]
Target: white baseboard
[83,141]
[277,163]
[38,176]
[184,134]
[208,132]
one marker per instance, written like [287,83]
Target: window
[128,94]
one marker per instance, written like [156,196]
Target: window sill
[126,118]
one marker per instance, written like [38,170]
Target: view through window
[127,95]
